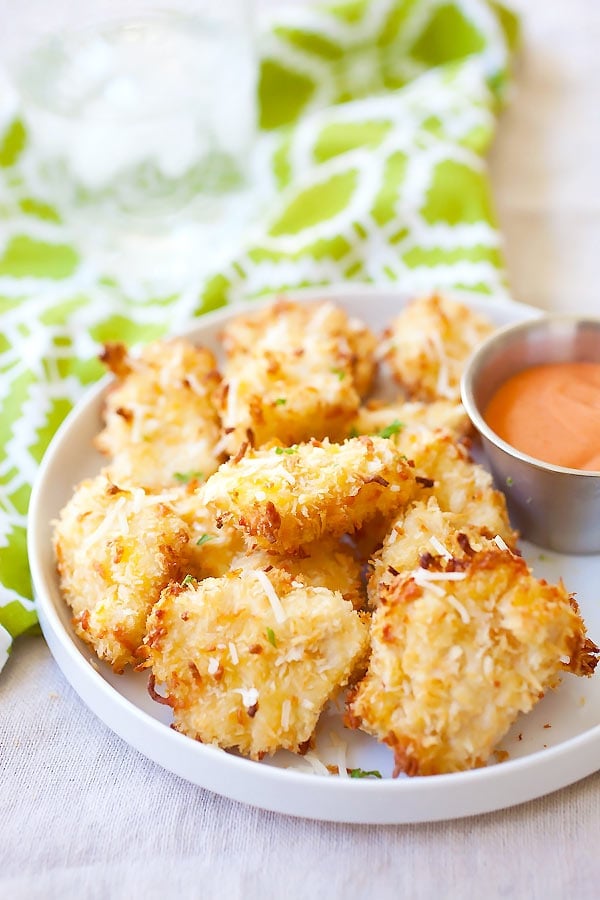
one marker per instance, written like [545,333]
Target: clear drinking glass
[143,128]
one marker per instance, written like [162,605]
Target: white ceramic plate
[555,745]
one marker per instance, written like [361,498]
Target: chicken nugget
[458,484]
[161,419]
[294,371]
[457,655]
[326,563]
[116,550]
[211,549]
[249,660]
[288,497]
[390,419]
[422,533]
[427,345]
[213,552]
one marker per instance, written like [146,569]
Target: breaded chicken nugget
[286,498]
[456,656]
[213,552]
[211,549]
[116,550]
[325,563]
[390,419]
[161,420]
[249,660]
[294,371]
[428,344]
[459,485]
[422,533]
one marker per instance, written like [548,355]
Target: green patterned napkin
[374,120]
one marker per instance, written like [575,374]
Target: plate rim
[384,798]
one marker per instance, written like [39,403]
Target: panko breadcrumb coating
[249,660]
[428,344]
[210,550]
[326,563]
[213,552]
[294,371]
[456,656]
[288,497]
[161,419]
[459,485]
[390,419]
[116,549]
[423,533]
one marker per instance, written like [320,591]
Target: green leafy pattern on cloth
[375,116]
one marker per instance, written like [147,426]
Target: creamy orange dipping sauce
[551,412]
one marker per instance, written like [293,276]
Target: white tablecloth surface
[83,815]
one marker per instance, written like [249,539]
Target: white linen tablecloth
[84,816]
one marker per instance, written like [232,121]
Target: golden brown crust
[428,344]
[460,486]
[458,652]
[262,670]
[286,498]
[116,549]
[423,535]
[294,371]
[161,418]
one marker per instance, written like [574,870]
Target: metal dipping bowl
[553,506]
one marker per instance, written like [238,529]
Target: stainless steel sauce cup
[553,506]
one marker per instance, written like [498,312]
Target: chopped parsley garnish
[341,373]
[281,401]
[204,539]
[189,579]
[509,481]
[186,477]
[271,637]
[280,450]
[353,433]
[362,773]
[391,430]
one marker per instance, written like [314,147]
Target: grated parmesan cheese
[318,767]
[426,575]
[278,610]
[437,545]
[249,696]
[460,609]
[286,709]
[287,476]
[233,653]
[213,665]
[195,385]
[340,748]
[501,543]
[114,524]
